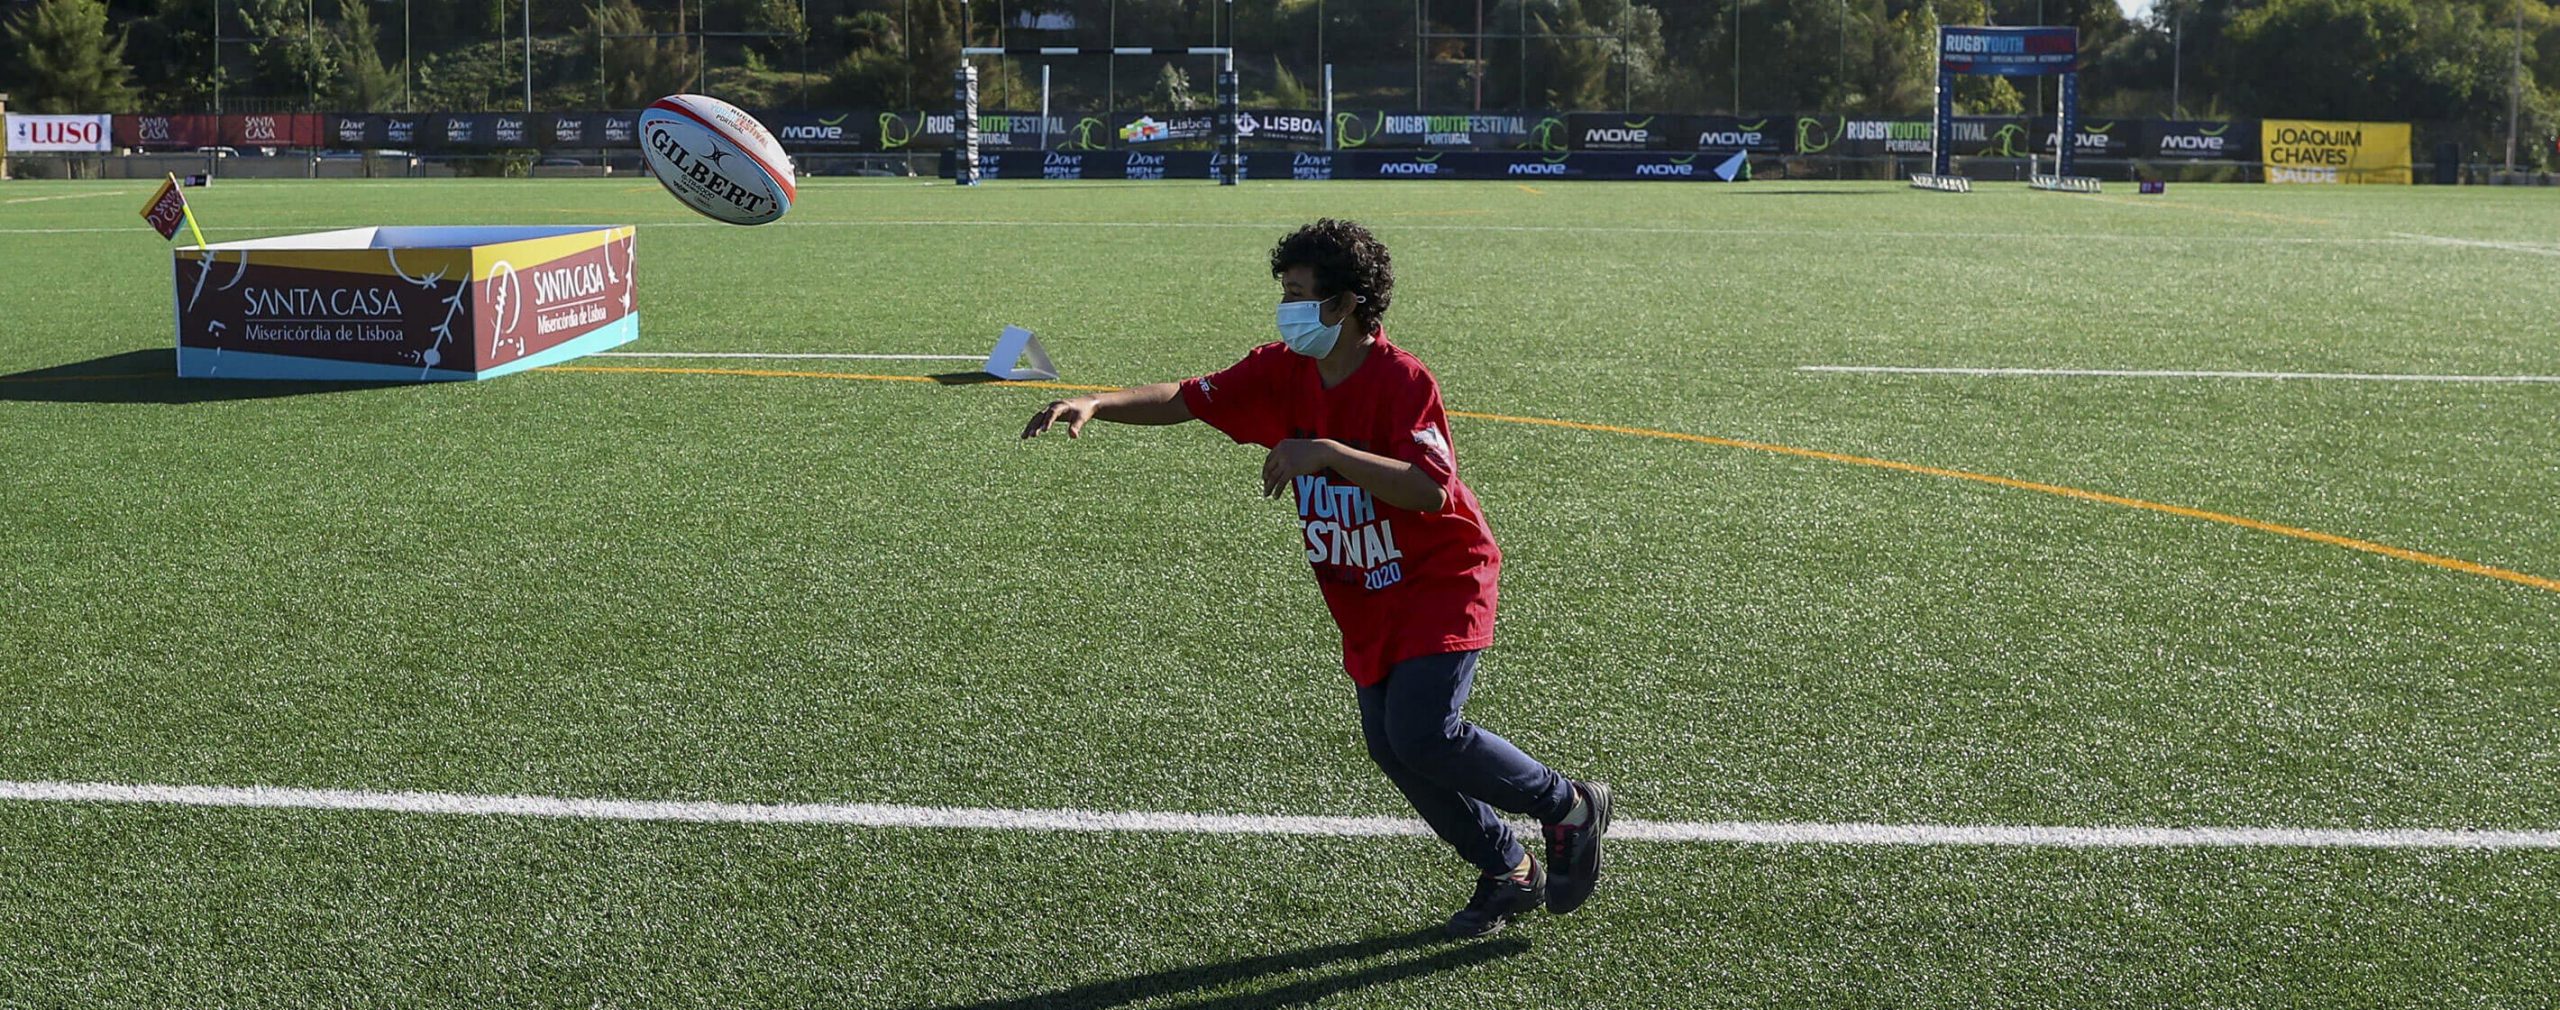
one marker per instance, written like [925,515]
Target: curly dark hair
[1345,257]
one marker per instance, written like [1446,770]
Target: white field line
[750,354]
[2117,373]
[2470,243]
[72,196]
[1774,233]
[877,815]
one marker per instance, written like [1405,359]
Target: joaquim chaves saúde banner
[2313,151]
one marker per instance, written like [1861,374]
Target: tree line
[2456,62]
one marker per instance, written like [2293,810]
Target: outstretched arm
[1160,403]
[1392,480]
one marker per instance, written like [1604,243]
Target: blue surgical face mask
[1302,328]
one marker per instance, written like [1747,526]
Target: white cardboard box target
[404,303]
[1012,348]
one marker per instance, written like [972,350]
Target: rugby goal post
[2010,52]
[965,87]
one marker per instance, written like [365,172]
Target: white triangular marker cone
[1011,348]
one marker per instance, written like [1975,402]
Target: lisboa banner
[2312,151]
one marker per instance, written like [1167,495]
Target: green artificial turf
[745,588]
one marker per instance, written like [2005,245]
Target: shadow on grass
[963,378]
[150,377]
[1120,992]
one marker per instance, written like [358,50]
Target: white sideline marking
[880,815]
[2473,243]
[71,196]
[750,354]
[2117,373]
[1839,233]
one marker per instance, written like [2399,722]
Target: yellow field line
[2244,522]
[2083,494]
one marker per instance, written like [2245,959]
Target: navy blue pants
[1455,773]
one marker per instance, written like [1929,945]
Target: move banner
[59,133]
[1616,131]
[2314,151]
[825,131]
[2200,140]
[2094,138]
[1612,131]
[1727,134]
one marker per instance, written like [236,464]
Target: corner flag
[168,209]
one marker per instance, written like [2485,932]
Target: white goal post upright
[2037,52]
[1230,158]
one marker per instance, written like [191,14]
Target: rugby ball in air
[716,159]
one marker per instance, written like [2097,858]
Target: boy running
[1400,549]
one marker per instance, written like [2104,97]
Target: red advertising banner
[164,132]
[278,129]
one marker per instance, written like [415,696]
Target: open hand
[1072,413]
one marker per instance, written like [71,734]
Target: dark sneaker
[1497,900]
[1574,850]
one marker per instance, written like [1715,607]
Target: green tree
[364,83]
[1580,54]
[1172,91]
[782,18]
[66,61]
[169,43]
[635,70]
[290,59]
[1285,91]
[873,73]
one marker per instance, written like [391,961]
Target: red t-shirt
[1400,583]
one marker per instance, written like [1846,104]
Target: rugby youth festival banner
[2312,151]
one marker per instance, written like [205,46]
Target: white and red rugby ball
[716,159]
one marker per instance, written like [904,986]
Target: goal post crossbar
[1097,51]
[965,92]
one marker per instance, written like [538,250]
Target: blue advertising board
[2009,52]
[1314,165]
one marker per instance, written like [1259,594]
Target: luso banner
[59,133]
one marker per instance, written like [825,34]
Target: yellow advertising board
[2314,151]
